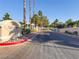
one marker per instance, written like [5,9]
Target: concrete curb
[19,42]
[13,43]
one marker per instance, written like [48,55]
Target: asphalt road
[48,45]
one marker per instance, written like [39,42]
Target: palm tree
[24,20]
[56,23]
[7,17]
[30,10]
[34,5]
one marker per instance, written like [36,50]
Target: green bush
[75,33]
[72,33]
[68,32]
[28,31]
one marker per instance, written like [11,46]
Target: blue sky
[60,9]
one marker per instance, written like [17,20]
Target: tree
[39,20]
[7,17]
[55,23]
[77,23]
[24,19]
[45,21]
[35,19]
[34,5]
[40,13]
[60,25]
[69,23]
[30,12]
[21,23]
[51,25]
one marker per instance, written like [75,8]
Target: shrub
[35,30]
[75,33]
[28,31]
[25,32]
[72,33]
[66,31]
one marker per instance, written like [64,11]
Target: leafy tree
[35,19]
[40,13]
[40,20]
[60,25]
[21,23]
[51,25]
[77,23]
[56,23]
[64,25]
[41,17]
[69,23]
[7,17]
[45,21]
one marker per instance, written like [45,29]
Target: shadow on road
[67,44]
[57,39]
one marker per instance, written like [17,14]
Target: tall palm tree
[24,20]
[34,5]
[30,12]
[30,8]
[31,4]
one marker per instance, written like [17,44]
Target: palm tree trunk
[24,20]
[34,5]
[30,9]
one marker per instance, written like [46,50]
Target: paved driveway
[48,45]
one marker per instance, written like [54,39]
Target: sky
[53,9]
